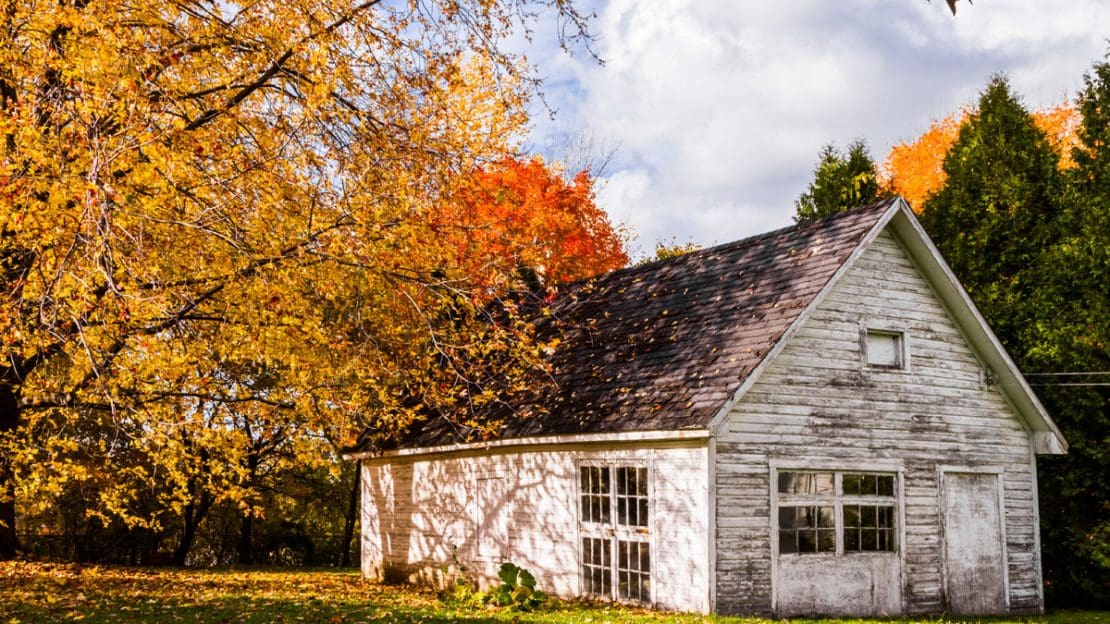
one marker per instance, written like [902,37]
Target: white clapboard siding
[478,510]
[817,402]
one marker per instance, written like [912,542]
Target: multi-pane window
[597,577]
[595,494]
[868,485]
[632,496]
[835,512]
[616,549]
[807,529]
[633,571]
[868,528]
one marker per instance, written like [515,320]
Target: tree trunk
[194,514]
[9,420]
[246,529]
[246,526]
[352,514]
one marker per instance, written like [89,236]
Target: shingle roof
[664,346]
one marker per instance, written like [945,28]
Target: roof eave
[617,437]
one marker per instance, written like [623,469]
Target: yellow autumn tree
[206,205]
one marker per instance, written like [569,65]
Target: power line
[1076,383]
[1067,373]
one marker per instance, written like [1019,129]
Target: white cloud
[720,107]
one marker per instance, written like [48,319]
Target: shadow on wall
[469,514]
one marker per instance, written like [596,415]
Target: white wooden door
[974,556]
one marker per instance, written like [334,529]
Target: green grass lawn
[40,592]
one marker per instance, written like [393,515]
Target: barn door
[974,557]
[616,544]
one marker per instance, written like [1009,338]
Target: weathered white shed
[811,421]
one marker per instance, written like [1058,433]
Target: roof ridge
[731,245]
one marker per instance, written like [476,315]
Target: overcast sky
[717,108]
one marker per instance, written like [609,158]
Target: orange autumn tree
[523,213]
[1060,123]
[915,169]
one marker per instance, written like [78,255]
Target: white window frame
[614,532]
[902,339]
[837,500]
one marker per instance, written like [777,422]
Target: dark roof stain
[665,345]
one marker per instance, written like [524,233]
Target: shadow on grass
[232,610]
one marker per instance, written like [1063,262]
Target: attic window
[884,348]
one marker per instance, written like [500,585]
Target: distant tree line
[1023,217]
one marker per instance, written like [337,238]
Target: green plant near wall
[517,590]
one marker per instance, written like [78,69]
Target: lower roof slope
[664,346]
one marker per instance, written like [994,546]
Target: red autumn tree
[525,213]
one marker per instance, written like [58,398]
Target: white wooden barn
[816,420]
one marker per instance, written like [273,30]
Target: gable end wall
[817,403]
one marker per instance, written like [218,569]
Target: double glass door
[615,530]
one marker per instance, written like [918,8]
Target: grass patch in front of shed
[34,593]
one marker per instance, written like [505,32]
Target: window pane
[825,517]
[868,539]
[886,540]
[826,540]
[787,517]
[807,541]
[788,541]
[851,540]
[851,516]
[643,512]
[885,517]
[884,349]
[603,481]
[867,516]
[823,483]
[642,482]
[806,483]
[604,517]
[851,484]
[786,482]
[867,485]
[886,485]
[622,510]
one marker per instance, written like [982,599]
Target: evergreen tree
[998,210]
[1030,246]
[1072,334]
[841,182]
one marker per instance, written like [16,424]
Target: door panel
[973,553]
